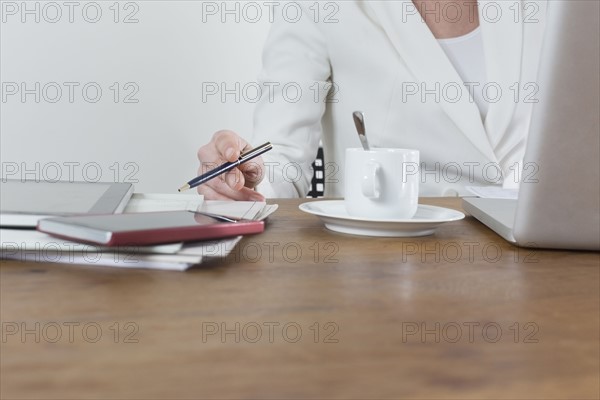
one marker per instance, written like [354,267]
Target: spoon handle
[359,121]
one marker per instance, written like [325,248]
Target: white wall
[173,50]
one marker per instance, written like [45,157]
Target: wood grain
[461,314]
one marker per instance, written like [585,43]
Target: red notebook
[145,228]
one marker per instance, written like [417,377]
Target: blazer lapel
[429,65]
[502,31]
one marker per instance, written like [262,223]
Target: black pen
[244,157]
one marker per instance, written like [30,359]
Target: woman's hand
[237,184]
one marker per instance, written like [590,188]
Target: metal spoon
[359,121]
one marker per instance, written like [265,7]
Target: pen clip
[255,152]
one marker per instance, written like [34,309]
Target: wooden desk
[461,314]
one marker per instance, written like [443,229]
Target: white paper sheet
[148,202]
[253,210]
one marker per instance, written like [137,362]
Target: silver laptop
[561,209]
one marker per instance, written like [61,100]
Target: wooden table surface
[302,312]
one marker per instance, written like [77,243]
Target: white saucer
[333,213]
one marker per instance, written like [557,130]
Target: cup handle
[371,180]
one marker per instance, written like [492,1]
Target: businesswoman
[454,79]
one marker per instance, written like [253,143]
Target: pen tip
[184,188]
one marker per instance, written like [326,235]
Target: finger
[221,185]
[229,145]
[209,153]
[235,179]
[253,171]
[252,195]
[232,178]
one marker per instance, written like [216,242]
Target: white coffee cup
[381,183]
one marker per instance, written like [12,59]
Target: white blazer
[374,56]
